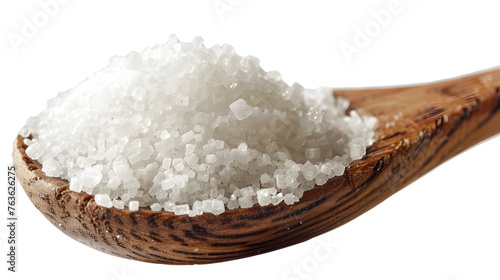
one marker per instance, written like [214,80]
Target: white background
[444,226]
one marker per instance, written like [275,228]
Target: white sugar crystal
[113,182]
[75,184]
[131,184]
[326,168]
[264,160]
[241,109]
[164,135]
[182,100]
[178,164]
[147,152]
[203,177]
[192,159]
[248,191]
[91,176]
[321,179]
[357,151]
[210,158]
[182,209]
[24,132]
[123,171]
[207,205]
[119,204]
[133,205]
[233,203]
[166,163]
[217,206]
[265,178]
[125,196]
[50,167]
[263,197]
[219,144]
[276,199]
[241,156]
[188,136]
[188,129]
[103,200]
[35,150]
[156,206]
[289,198]
[189,150]
[280,181]
[201,118]
[312,153]
[197,208]
[243,147]
[338,169]
[308,174]
[246,202]
[169,206]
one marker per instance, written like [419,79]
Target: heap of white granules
[184,128]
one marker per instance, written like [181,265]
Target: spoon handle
[420,127]
[442,119]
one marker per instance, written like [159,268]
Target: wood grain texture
[420,127]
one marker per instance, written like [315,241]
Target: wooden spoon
[420,127]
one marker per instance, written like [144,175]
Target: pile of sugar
[192,130]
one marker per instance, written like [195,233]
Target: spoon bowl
[420,127]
